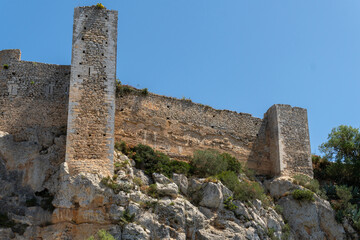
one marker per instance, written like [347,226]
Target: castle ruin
[79,101]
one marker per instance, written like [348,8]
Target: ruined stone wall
[32,95]
[38,102]
[90,132]
[290,151]
[179,127]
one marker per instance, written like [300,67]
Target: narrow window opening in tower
[89,71]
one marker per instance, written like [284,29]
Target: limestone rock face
[35,159]
[308,220]
[182,182]
[312,220]
[134,232]
[77,207]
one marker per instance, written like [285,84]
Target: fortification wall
[32,95]
[90,132]
[179,127]
[35,105]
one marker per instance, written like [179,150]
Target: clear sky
[241,55]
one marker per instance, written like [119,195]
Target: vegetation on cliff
[210,164]
[339,173]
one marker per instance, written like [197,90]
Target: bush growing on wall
[100,6]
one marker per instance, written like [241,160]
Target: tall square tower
[90,129]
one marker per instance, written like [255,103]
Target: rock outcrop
[62,206]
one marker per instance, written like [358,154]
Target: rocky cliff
[40,200]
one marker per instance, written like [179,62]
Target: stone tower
[289,140]
[90,129]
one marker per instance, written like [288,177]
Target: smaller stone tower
[289,140]
[90,129]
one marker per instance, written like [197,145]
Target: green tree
[343,147]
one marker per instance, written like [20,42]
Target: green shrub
[152,191]
[127,217]
[123,90]
[279,209]
[110,183]
[344,193]
[122,147]
[307,182]
[180,167]
[102,235]
[245,190]
[303,195]
[248,190]
[355,218]
[228,204]
[229,179]
[138,181]
[249,173]
[232,164]
[144,92]
[5,66]
[153,161]
[208,163]
[100,6]
[271,233]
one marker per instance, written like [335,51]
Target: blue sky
[230,54]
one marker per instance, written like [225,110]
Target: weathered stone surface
[134,232]
[170,189]
[91,116]
[182,182]
[311,220]
[144,178]
[278,187]
[160,178]
[212,195]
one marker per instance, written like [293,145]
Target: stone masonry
[46,99]
[90,129]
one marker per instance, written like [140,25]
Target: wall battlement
[81,98]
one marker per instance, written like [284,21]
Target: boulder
[160,178]
[182,182]
[212,195]
[169,189]
[278,187]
